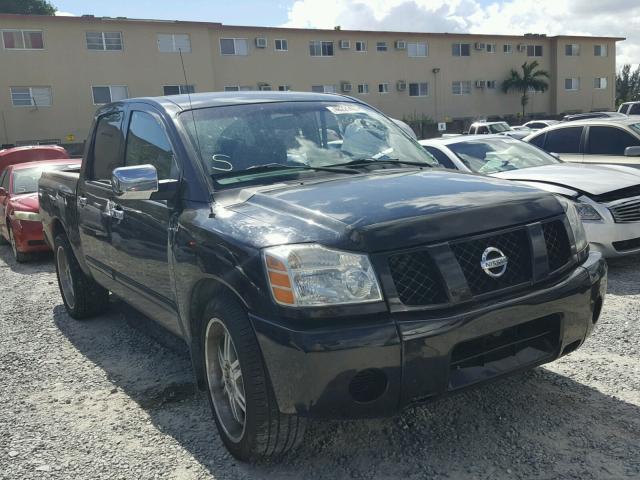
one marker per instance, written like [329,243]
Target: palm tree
[530,78]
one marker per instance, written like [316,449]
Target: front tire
[240,394]
[82,296]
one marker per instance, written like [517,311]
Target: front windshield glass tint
[235,140]
[499,155]
[499,128]
[25,180]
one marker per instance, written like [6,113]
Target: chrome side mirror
[138,182]
[632,151]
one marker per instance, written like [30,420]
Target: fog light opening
[368,385]
[597,308]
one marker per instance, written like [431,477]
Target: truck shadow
[38,262]
[541,419]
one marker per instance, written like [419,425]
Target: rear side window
[538,140]
[634,109]
[442,159]
[610,141]
[147,143]
[623,108]
[563,140]
[106,147]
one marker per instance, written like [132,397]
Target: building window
[281,45]
[381,46]
[507,48]
[320,49]
[323,88]
[491,48]
[461,49]
[461,88]
[31,96]
[383,88]
[105,41]
[417,49]
[600,83]
[534,50]
[361,46]
[418,89]
[237,88]
[178,89]
[571,83]
[22,39]
[234,46]
[174,42]
[363,88]
[491,84]
[109,93]
[572,50]
[600,50]
[284,88]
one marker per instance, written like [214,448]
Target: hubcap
[64,275]
[226,385]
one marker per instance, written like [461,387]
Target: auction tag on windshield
[342,108]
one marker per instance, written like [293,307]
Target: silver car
[614,141]
[607,196]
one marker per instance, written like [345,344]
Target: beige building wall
[71,69]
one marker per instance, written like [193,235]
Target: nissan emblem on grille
[494,262]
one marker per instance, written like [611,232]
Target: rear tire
[19,256]
[261,431]
[82,296]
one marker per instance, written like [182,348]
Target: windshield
[25,180]
[499,155]
[499,127]
[256,142]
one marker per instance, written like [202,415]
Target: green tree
[627,84]
[530,78]
[27,7]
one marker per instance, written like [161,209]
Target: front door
[141,237]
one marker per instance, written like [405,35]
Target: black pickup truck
[313,258]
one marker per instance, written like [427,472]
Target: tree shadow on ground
[534,425]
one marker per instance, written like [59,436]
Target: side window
[147,143]
[609,141]
[442,159]
[537,125]
[106,147]
[4,180]
[482,131]
[563,140]
[633,109]
[624,107]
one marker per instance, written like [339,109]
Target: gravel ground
[113,397]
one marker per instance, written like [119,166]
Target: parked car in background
[615,141]
[520,128]
[629,108]
[13,156]
[501,128]
[586,116]
[607,197]
[536,125]
[20,223]
[311,279]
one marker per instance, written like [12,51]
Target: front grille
[515,246]
[503,351]
[557,241]
[417,279]
[626,211]
[626,245]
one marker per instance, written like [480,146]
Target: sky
[619,18]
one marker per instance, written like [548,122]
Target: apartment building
[55,71]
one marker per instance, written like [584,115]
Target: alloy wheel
[64,274]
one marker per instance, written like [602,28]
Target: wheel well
[57,228]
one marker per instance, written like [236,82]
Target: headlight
[576,225]
[309,275]
[29,216]
[587,212]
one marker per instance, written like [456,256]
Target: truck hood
[390,210]
[589,179]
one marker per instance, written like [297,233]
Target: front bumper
[29,236]
[610,238]
[376,368]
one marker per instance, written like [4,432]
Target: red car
[20,223]
[34,153]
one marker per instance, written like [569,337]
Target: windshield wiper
[279,166]
[370,161]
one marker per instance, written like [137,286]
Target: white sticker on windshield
[343,108]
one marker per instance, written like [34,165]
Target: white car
[606,196]
[536,125]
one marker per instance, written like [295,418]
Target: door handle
[82,201]
[114,211]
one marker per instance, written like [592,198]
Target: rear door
[141,238]
[566,142]
[95,196]
[606,144]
